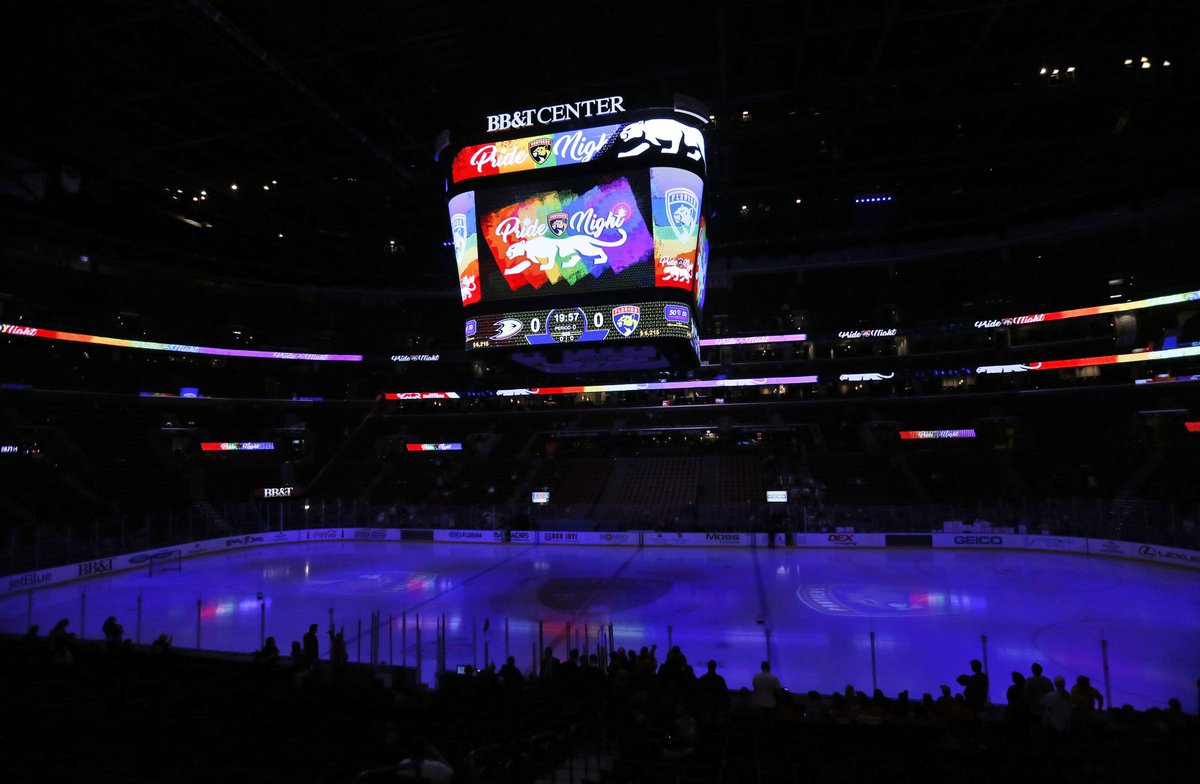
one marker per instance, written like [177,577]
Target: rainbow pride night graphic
[675,197]
[563,236]
[533,152]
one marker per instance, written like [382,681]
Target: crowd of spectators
[627,715]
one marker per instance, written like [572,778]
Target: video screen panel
[908,435]
[465,234]
[589,236]
[675,197]
[657,139]
[580,236]
[237,446]
[595,324]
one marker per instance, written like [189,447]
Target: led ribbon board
[926,434]
[1116,359]
[445,447]
[237,446]
[74,337]
[593,324]
[1166,378]
[649,387]
[1037,318]
[795,337]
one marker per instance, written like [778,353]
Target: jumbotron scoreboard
[579,234]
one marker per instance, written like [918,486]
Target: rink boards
[1137,551]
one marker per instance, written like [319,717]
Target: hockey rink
[811,612]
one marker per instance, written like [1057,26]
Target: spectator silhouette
[312,646]
[510,673]
[975,690]
[1085,697]
[681,740]
[337,648]
[426,764]
[817,712]
[550,664]
[766,686]
[1056,707]
[1017,710]
[162,643]
[268,654]
[1037,686]
[113,632]
[712,693]
[61,643]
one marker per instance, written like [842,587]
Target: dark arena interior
[892,373]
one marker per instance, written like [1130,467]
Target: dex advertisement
[675,197]
[554,241]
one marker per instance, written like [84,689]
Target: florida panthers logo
[557,222]
[458,230]
[626,319]
[539,150]
[683,209]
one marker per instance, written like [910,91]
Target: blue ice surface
[811,612]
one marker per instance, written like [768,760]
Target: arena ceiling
[128,123]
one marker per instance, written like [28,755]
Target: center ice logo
[683,207]
[626,319]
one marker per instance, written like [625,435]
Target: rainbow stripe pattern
[76,337]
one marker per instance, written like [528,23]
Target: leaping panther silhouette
[544,251]
[667,136]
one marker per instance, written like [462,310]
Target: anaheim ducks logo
[539,150]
